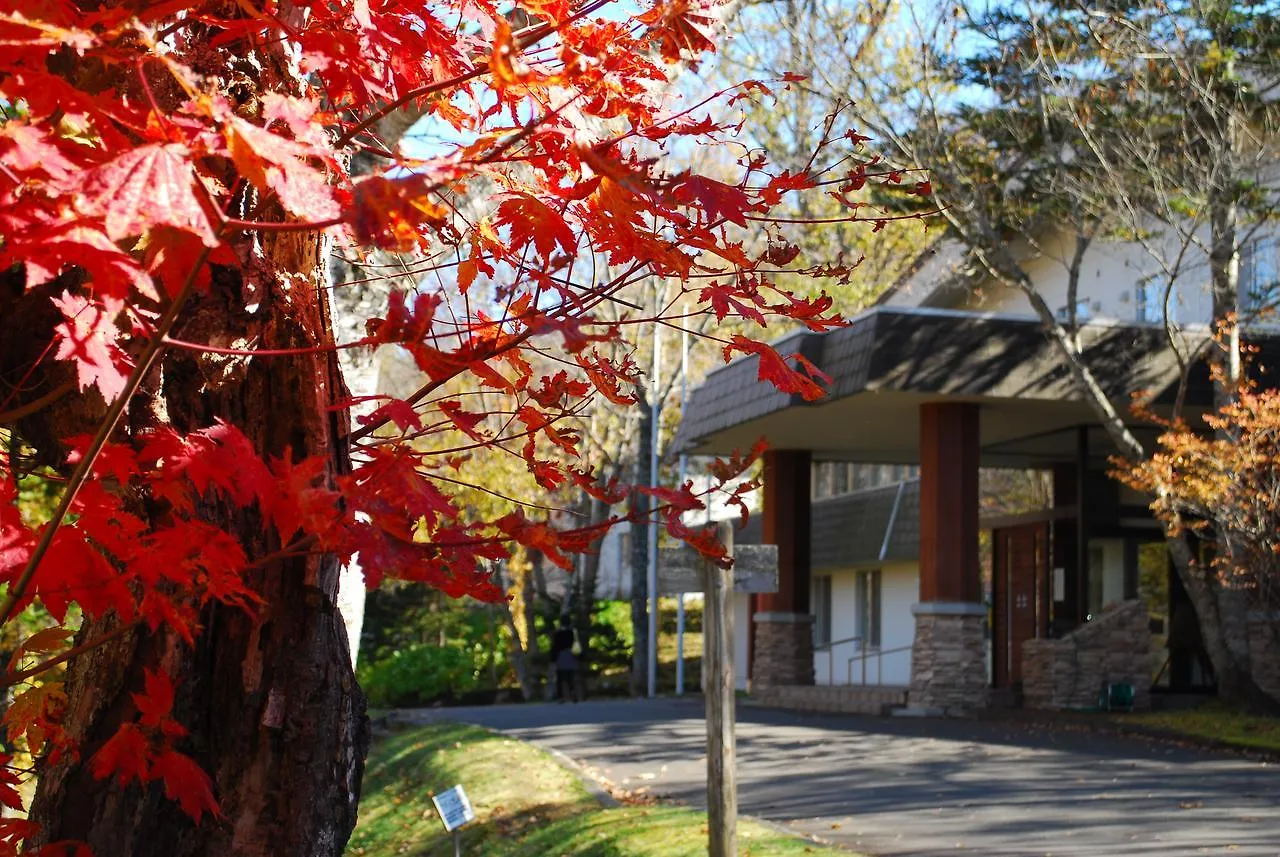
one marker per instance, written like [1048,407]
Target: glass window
[1261,274]
[822,610]
[1083,311]
[1106,574]
[1149,300]
[868,606]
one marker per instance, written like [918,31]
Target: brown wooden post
[722,783]
[786,523]
[782,652]
[949,502]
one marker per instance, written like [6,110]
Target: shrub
[420,674]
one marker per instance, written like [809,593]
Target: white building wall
[1109,278]
[899,590]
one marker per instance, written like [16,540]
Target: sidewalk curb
[590,783]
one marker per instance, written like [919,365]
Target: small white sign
[454,808]
[1059,584]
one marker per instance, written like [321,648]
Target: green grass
[526,806]
[1215,722]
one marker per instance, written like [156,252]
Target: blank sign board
[755,569]
[454,808]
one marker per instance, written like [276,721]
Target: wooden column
[786,523]
[948,503]
[948,666]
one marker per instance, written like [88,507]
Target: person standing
[565,650]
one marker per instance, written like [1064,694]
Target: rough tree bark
[269,698]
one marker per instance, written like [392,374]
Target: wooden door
[1020,577]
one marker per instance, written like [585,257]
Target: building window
[821,610]
[868,606]
[1260,279]
[1082,311]
[1149,300]
[842,477]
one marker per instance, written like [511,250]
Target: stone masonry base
[948,664]
[1070,672]
[843,699]
[1264,646]
[783,650]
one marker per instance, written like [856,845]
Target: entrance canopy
[889,361]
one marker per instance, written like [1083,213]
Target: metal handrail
[829,648]
[864,655]
[832,643]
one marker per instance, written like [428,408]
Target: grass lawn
[526,804]
[1216,722]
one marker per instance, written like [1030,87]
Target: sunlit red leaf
[88,338]
[534,222]
[152,185]
[774,369]
[279,165]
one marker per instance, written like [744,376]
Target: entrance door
[1020,577]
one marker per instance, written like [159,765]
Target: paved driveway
[896,787]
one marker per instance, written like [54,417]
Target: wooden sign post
[755,570]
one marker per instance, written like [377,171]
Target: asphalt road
[894,787]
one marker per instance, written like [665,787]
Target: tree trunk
[640,554]
[1224,603]
[274,712]
[524,650]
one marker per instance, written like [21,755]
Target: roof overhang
[889,361]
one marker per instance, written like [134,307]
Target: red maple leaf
[156,701]
[682,28]
[88,338]
[533,221]
[397,214]
[730,298]
[124,756]
[719,200]
[398,411]
[152,185]
[774,369]
[9,795]
[47,250]
[274,163]
[16,538]
[186,782]
[76,571]
[28,149]
[464,420]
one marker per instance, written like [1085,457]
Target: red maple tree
[174,177]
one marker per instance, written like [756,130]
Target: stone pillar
[1264,649]
[783,645]
[784,649]
[948,663]
[948,666]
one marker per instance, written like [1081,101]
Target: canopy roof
[888,361]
